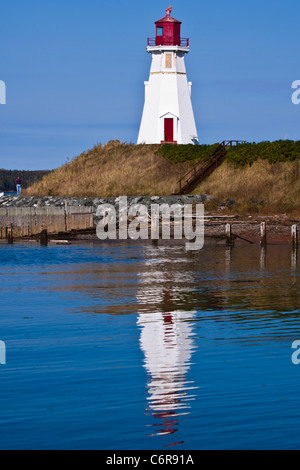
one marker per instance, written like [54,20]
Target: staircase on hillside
[204,168]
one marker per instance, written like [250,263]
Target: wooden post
[155,225]
[66,212]
[44,238]
[263,234]
[10,237]
[228,234]
[154,243]
[123,223]
[154,231]
[294,236]
[106,222]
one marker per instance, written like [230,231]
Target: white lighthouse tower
[168,114]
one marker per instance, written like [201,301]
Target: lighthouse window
[160,31]
[168,61]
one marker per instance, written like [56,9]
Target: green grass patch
[240,155]
[273,152]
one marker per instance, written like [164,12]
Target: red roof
[168,19]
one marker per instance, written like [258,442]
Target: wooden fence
[27,221]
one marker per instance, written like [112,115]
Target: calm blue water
[125,346]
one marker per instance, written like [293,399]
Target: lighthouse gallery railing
[182,42]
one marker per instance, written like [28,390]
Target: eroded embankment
[28,216]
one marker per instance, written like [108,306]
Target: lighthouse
[168,113]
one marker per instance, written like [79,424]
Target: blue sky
[75,72]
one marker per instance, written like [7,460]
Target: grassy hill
[254,177]
[112,170]
[260,187]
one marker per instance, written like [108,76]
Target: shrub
[240,155]
[184,153]
[278,151]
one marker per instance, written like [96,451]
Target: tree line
[8,178]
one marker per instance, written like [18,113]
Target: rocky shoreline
[245,229]
[59,201]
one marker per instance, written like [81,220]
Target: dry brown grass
[126,169]
[112,170]
[258,187]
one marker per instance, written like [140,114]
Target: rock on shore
[58,201]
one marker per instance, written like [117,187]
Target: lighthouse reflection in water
[166,339]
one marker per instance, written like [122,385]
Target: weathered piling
[294,236]
[228,234]
[106,222]
[10,236]
[155,228]
[44,238]
[263,234]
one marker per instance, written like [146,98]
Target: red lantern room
[168,32]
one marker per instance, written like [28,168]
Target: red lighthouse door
[169,133]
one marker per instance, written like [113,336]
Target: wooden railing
[204,168]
